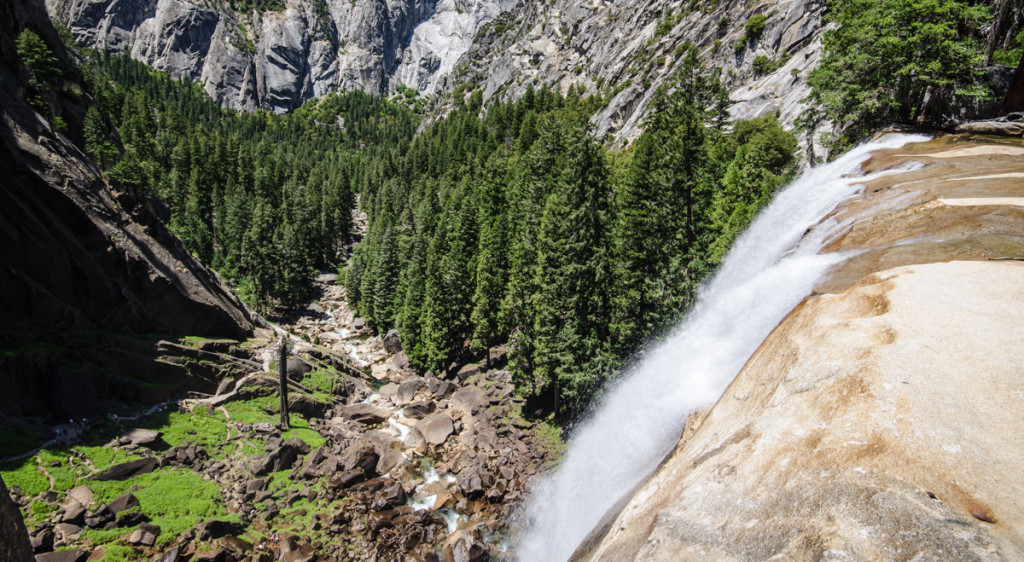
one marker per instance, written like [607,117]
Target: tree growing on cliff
[887,61]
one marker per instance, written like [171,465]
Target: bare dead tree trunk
[283,380]
[994,34]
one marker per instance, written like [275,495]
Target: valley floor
[378,462]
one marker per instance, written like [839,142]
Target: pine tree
[665,197]
[572,301]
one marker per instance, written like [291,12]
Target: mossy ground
[175,499]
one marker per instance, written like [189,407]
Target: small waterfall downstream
[770,269]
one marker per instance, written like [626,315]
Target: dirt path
[42,468]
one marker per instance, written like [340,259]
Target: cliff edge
[877,421]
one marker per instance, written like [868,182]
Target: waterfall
[769,270]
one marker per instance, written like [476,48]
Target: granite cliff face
[87,271]
[875,422]
[627,49]
[277,59]
[624,50]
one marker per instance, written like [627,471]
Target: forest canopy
[506,225]
[514,225]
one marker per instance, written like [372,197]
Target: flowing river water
[769,270]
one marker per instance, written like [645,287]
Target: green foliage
[512,224]
[886,61]
[1011,55]
[256,5]
[97,138]
[38,59]
[666,23]
[264,199]
[173,498]
[755,26]
[763,64]
[663,198]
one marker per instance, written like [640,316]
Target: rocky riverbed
[380,462]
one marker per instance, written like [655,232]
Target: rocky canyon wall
[89,275]
[622,50]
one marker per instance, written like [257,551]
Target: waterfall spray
[769,270]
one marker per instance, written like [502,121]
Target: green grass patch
[105,457]
[25,475]
[206,429]
[175,499]
[120,553]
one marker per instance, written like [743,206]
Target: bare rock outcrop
[876,421]
[278,59]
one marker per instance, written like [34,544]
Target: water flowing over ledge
[770,269]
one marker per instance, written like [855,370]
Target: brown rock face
[878,421]
[84,263]
[15,545]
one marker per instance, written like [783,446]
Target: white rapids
[769,270]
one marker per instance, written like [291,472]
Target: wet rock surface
[873,422]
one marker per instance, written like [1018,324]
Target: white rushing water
[769,270]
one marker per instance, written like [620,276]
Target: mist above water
[769,270]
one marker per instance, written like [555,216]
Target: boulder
[352,388]
[379,494]
[215,529]
[125,501]
[467,371]
[130,518]
[236,544]
[76,555]
[474,481]
[444,389]
[307,406]
[82,494]
[256,485]
[359,456]
[382,371]
[497,356]
[170,555]
[67,533]
[74,512]
[42,540]
[139,436]
[127,470]
[407,390]
[392,341]
[155,530]
[417,410]
[1004,128]
[366,414]
[388,391]
[388,461]
[359,323]
[470,400]
[297,368]
[436,428]
[141,538]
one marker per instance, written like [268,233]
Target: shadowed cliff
[88,274]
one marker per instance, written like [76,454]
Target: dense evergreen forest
[513,224]
[264,199]
[510,224]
